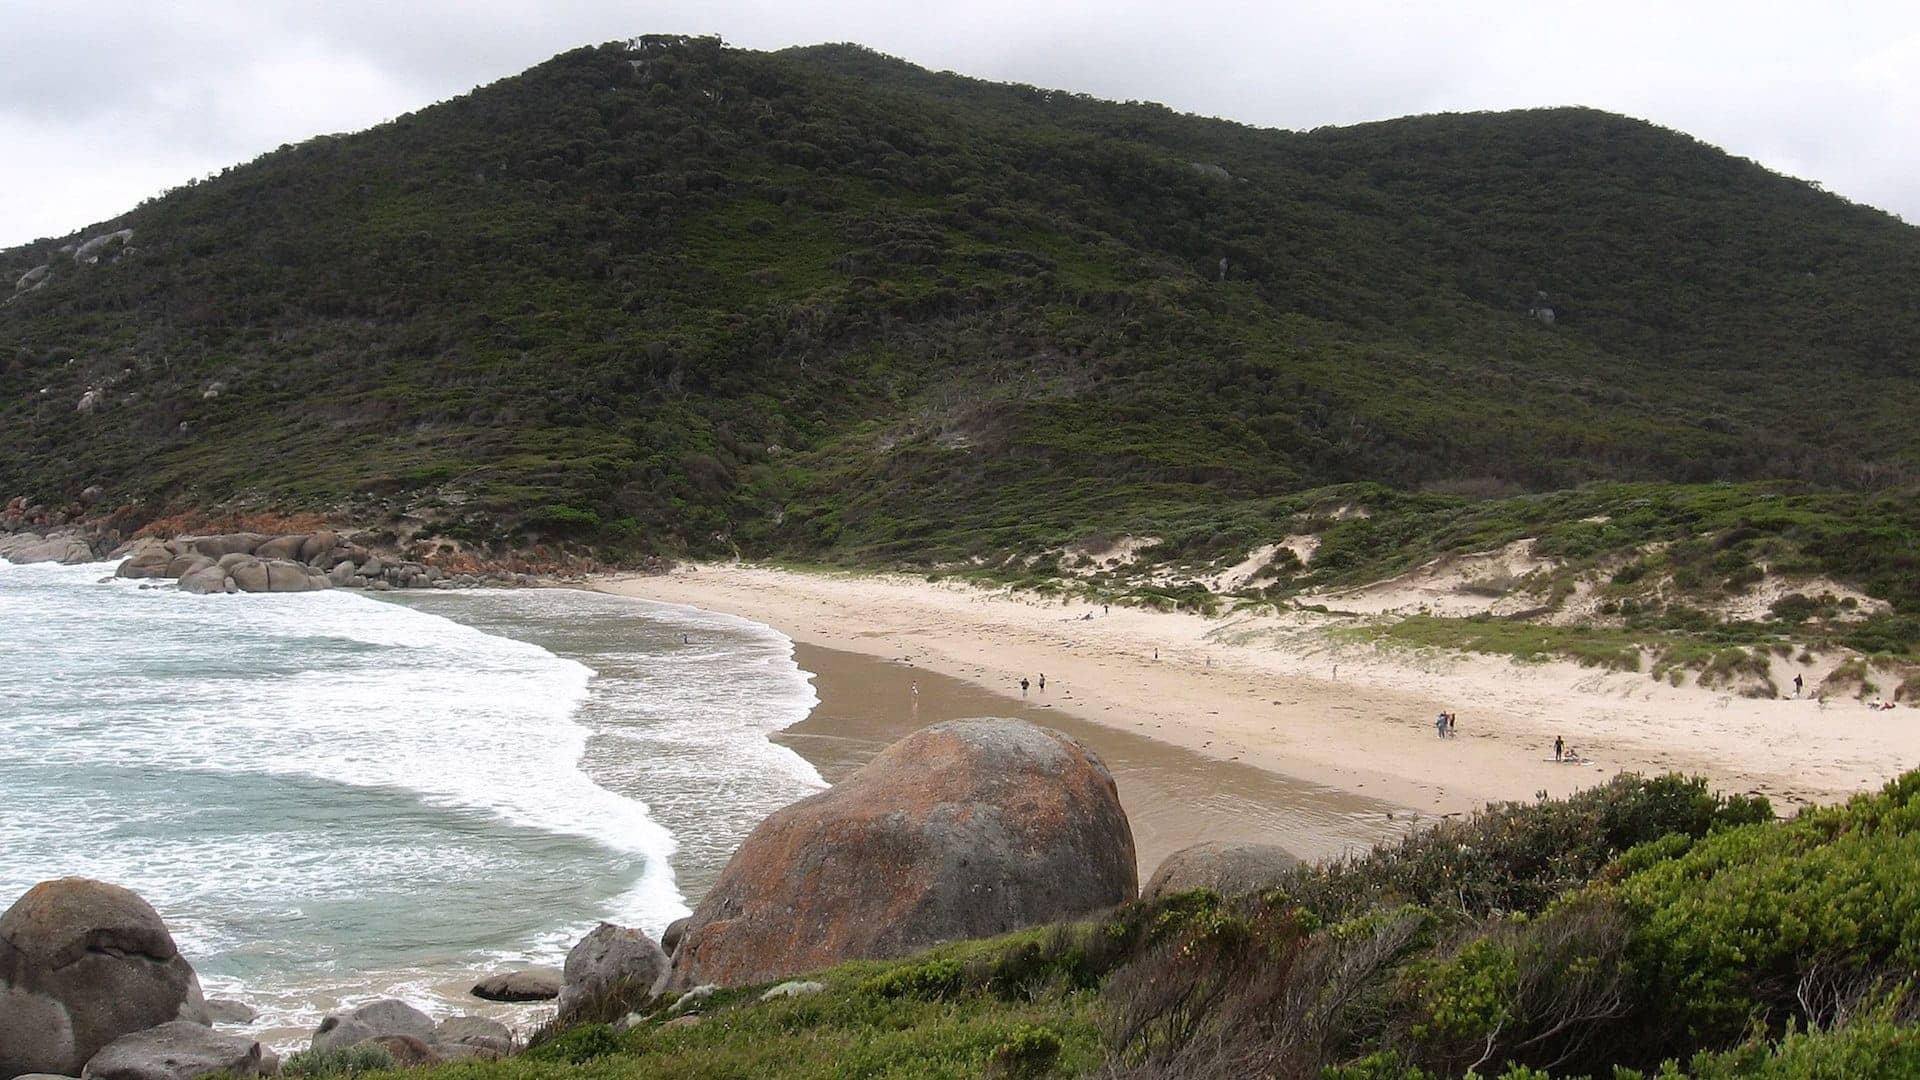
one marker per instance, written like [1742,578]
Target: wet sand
[1173,797]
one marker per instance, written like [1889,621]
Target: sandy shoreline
[1273,693]
[1173,797]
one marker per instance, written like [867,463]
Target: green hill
[669,296]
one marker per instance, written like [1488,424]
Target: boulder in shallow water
[524,984]
[611,959]
[205,580]
[83,963]
[228,1011]
[287,576]
[145,558]
[1228,868]
[180,1050]
[388,1016]
[965,829]
[181,565]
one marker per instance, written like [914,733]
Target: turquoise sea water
[331,796]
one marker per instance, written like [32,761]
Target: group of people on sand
[1445,723]
[1026,685]
[1564,754]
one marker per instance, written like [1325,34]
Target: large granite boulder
[207,578]
[523,984]
[388,1016]
[1226,867]
[964,829]
[280,547]
[476,1031]
[318,545]
[223,544]
[248,573]
[83,963]
[179,1050]
[146,558]
[284,575]
[608,959]
[183,564]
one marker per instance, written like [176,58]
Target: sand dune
[1275,692]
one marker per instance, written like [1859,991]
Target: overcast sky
[103,104]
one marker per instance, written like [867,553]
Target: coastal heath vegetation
[1645,928]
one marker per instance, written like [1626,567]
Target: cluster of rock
[411,1037]
[68,549]
[300,562]
[92,986]
[107,246]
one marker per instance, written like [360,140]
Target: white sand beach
[1275,693]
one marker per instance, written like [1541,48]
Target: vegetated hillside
[665,295]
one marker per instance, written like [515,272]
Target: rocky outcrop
[179,1050]
[249,561]
[26,547]
[96,248]
[610,959]
[670,937]
[83,963]
[388,1016]
[1230,869]
[964,829]
[525,984]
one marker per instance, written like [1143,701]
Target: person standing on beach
[1440,725]
[1559,747]
[1453,724]
[1023,686]
[1043,682]
[1798,685]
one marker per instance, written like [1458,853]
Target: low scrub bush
[343,1061]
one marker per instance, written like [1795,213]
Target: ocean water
[332,796]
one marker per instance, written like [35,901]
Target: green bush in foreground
[343,1061]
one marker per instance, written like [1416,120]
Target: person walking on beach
[1453,724]
[1559,747]
[1043,682]
[1440,725]
[1023,686]
[1799,684]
